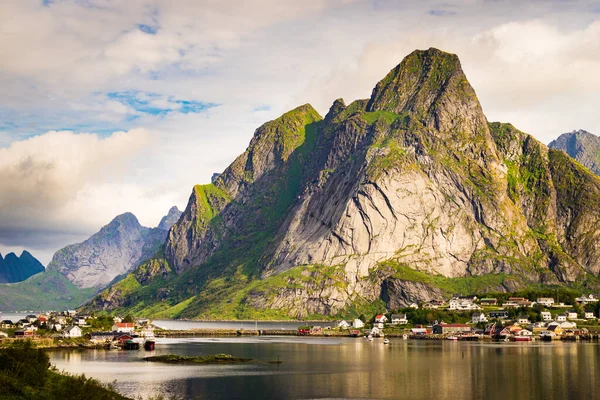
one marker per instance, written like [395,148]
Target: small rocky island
[210,359]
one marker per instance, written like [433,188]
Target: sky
[111,106]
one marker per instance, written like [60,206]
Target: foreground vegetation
[26,373]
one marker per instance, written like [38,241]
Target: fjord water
[350,368]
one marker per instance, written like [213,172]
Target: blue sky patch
[441,13]
[150,30]
[156,104]
[262,108]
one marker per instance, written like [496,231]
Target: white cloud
[533,64]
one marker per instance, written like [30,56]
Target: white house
[79,321]
[462,304]
[561,317]
[523,320]
[343,325]
[381,318]
[546,316]
[72,331]
[399,319]
[571,314]
[589,315]
[478,317]
[357,324]
[545,301]
[587,299]
[56,326]
[126,327]
[414,305]
[117,319]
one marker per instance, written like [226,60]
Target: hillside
[406,196]
[44,291]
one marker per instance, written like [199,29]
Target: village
[67,329]
[472,318]
[458,318]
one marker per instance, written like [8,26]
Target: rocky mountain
[582,146]
[113,251]
[170,219]
[17,269]
[406,196]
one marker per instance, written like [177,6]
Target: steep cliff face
[15,268]
[406,196]
[582,146]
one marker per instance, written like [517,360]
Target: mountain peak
[168,220]
[581,145]
[16,269]
[430,84]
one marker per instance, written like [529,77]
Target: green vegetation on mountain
[44,291]
[408,196]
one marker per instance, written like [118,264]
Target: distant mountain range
[78,271]
[16,269]
[583,146]
[113,251]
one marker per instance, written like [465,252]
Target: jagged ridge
[393,199]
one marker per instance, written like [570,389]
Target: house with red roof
[125,327]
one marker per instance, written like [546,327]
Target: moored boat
[131,345]
[522,339]
[453,338]
[149,345]
[386,341]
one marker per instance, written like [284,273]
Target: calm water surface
[351,368]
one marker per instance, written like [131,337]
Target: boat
[386,341]
[149,345]
[370,338]
[453,338]
[522,339]
[405,336]
[131,345]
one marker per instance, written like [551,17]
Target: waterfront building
[442,328]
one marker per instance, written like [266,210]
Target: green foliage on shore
[25,373]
